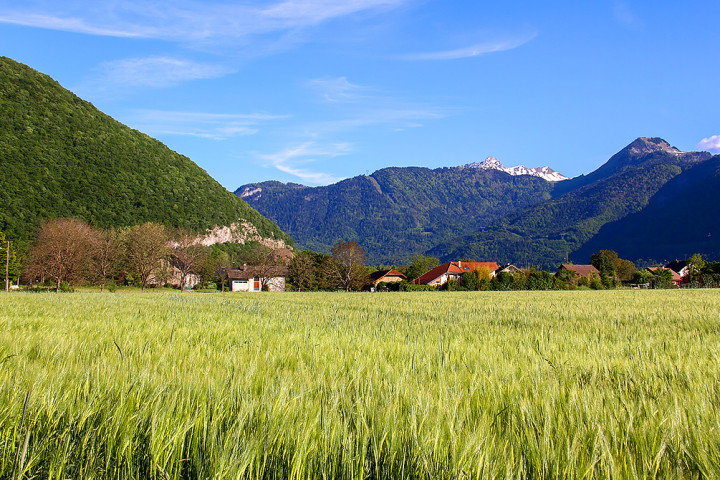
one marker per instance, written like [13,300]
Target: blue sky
[313,91]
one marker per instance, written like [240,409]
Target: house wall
[275,284]
[239,286]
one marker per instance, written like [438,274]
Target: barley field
[579,384]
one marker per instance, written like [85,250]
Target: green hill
[395,212]
[455,213]
[545,234]
[682,218]
[61,157]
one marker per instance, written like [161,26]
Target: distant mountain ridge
[546,233]
[395,212]
[61,157]
[482,211]
[492,163]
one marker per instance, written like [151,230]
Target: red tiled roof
[472,266]
[431,275]
[456,268]
[675,276]
[582,270]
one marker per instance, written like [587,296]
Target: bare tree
[347,267]
[105,253]
[61,251]
[266,263]
[145,246]
[187,255]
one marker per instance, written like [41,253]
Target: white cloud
[158,71]
[71,24]
[289,161]
[308,12]
[358,106]
[474,50]
[179,20]
[213,126]
[336,89]
[711,144]
[115,78]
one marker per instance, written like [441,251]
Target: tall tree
[146,247]
[347,267]
[105,253]
[603,261]
[303,272]
[420,264]
[61,252]
[696,264]
[10,266]
[187,255]
[219,262]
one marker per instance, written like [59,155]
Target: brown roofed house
[386,276]
[580,270]
[250,278]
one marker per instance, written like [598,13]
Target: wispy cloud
[356,106]
[711,144]
[213,126]
[499,45]
[625,16]
[72,24]
[182,20]
[336,89]
[149,72]
[290,160]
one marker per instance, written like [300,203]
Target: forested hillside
[546,234]
[61,157]
[487,215]
[395,212]
[683,218]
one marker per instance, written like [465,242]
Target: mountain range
[485,212]
[62,157]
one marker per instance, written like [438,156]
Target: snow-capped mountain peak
[492,163]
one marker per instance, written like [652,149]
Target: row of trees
[70,252]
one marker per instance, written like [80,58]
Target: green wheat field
[579,384]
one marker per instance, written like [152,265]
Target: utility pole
[7,268]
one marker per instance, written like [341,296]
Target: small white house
[257,278]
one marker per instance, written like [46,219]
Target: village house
[676,277]
[580,270]
[386,276]
[509,268]
[250,278]
[440,275]
[681,267]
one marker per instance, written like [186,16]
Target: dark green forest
[487,215]
[61,157]
[396,212]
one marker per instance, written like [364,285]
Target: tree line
[68,252]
